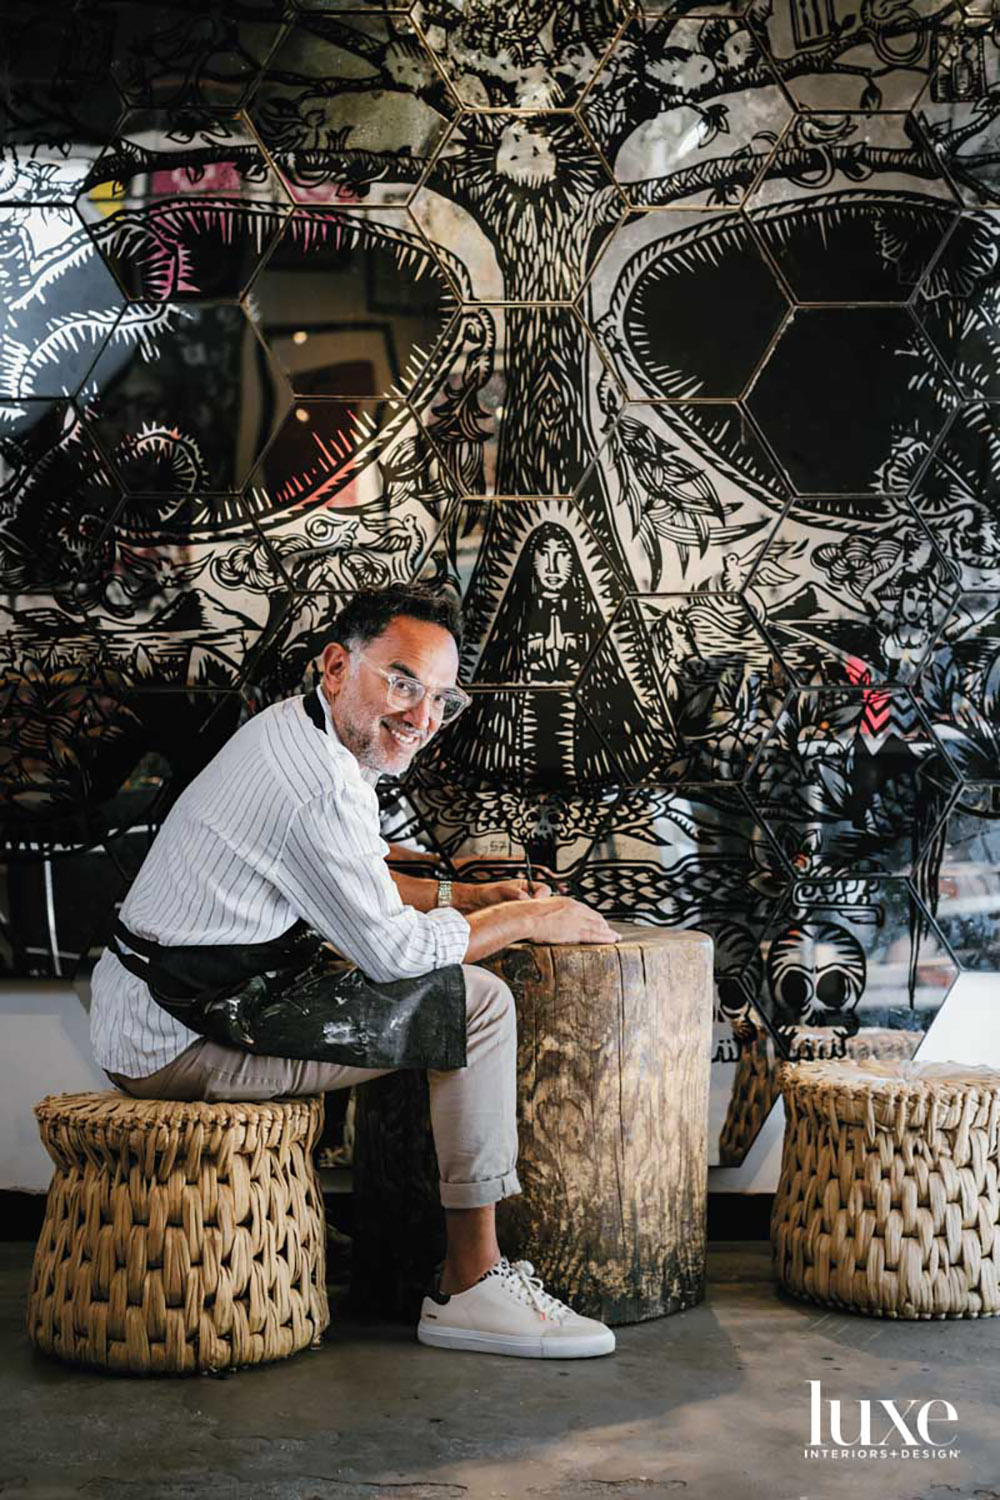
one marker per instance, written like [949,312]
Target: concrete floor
[711,1404]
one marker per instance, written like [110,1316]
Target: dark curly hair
[370,611]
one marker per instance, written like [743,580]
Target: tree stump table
[614,1044]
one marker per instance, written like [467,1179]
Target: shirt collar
[371,777]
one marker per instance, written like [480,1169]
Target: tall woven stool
[179,1237]
[888,1200]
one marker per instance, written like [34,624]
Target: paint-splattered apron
[293,997]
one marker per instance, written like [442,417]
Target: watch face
[444,893]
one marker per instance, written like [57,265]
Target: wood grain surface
[613,1071]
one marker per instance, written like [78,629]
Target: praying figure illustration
[548,620]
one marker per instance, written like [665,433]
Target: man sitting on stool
[219,984]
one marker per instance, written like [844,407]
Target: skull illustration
[816,973]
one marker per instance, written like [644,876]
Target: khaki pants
[473,1109]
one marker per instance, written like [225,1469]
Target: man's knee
[488,1000]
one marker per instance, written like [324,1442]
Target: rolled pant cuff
[479,1194]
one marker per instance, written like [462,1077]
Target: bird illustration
[402,539]
[770,575]
[667,496]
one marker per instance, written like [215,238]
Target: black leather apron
[293,997]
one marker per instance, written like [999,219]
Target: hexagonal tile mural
[170,55]
[559,200]
[54,115]
[684,687]
[834,56]
[199,228]
[858,957]
[351,108]
[852,609]
[686,494]
[664,277]
[57,497]
[184,398]
[516,57]
[670,114]
[500,828]
[813,193]
[967,910]
[955,493]
[60,302]
[352,303]
[534,739]
[538,596]
[868,371]
[516,398]
[960,688]
[955,110]
[851,782]
[958,304]
[351,494]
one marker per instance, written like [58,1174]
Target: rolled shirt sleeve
[331,869]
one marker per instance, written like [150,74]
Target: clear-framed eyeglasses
[404,692]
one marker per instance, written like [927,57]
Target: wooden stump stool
[889,1201]
[179,1237]
[613,1071]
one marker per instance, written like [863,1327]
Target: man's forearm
[466,896]
[494,927]
[413,891]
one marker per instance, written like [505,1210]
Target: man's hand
[474,895]
[561,919]
[548,919]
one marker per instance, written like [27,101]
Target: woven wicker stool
[179,1237]
[755,1086]
[888,1201]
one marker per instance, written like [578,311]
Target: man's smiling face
[384,739]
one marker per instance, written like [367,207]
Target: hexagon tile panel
[665,335]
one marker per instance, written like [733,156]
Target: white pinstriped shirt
[283,823]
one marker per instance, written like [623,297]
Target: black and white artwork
[666,341]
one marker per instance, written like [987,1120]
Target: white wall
[46,1051]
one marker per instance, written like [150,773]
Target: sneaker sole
[587,1346]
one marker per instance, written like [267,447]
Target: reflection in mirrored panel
[837,56]
[869,371]
[183,204]
[852,781]
[661,283]
[688,493]
[537,444]
[684,144]
[336,101]
[852,607]
[745,1062]
[183,398]
[968,905]
[57,912]
[810,193]
[350,303]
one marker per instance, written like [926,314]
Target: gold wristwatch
[444,893]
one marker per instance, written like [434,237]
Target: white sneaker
[508,1312]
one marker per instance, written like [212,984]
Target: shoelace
[528,1288]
